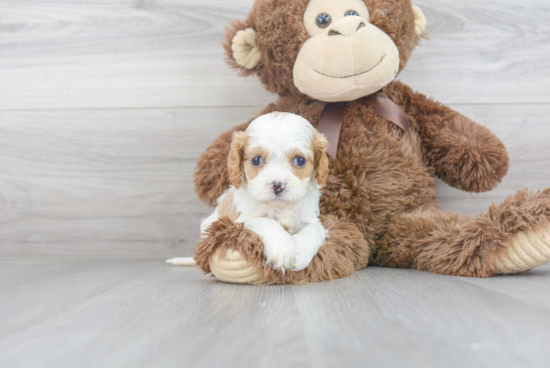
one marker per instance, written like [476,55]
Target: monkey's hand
[464,154]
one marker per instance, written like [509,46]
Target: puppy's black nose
[278,187]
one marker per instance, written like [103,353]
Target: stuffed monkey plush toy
[335,64]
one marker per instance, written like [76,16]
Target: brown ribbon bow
[330,123]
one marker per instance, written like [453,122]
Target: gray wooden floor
[142,313]
[104,109]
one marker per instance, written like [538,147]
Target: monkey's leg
[511,237]
[235,254]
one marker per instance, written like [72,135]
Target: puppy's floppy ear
[320,145]
[241,47]
[235,159]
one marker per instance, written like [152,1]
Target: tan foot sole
[527,250]
[234,268]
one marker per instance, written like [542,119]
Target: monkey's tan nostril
[346,27]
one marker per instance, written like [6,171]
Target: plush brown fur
[448,243]
[345,252]
[380,191]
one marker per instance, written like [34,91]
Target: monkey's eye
[323,20]
[257,161]
[352,13]
[299,161]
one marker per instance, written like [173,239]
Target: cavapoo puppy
[277,168]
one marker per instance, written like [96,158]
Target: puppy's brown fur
[235,160]
[227,208]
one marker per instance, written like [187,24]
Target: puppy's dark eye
[323,20]
[257,161]
[299,161]
[351,13]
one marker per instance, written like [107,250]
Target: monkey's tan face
[346,57]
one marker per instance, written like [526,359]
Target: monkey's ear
[320,145]
[241,46]
[235,159]
[245,48]
[420,22]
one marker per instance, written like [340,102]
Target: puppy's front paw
[301,261]
[279,256]
[307,246]
[278,245]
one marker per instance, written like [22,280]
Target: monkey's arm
[463,153]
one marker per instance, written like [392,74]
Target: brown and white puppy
[277,168]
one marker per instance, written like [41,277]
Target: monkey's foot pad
[526,250]
[233,268]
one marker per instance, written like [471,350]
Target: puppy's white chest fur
[292,217]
